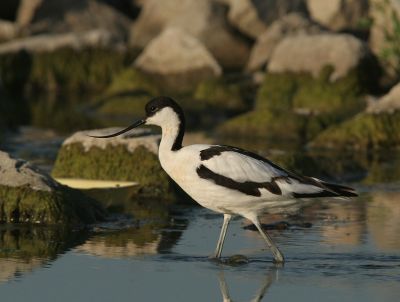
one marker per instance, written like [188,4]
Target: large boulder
[253,17]
[178,60]
[28,195]
[205,20]
[128,157]
[377,127]
[48,16]
[312,82]
[339,14]
[311,53]
[291,24]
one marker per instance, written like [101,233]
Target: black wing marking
[252,188]
[247,187]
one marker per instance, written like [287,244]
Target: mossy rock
[303,92]
[289,128]
[296,107]
[219,93]
[365,131]
[130,157]
[131,79]
[64,69]
[28,195]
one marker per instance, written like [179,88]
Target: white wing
[232,166]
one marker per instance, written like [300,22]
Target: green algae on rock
[218,92]
[28,195]
[365,131]
[129,157]
[296,107]
[64,69]
[377,127]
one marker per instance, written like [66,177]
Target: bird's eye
[153,108]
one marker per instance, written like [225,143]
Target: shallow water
[346,250]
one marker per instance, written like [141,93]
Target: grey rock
[28,195]
[339,14]
[289,25]
[204,20]
[310,54]
[253,16]
[178,59]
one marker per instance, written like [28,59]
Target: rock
[204,20]
[219,93]
[384,40]
[28,195]
[366,131]
[64,69]
[128,157]
[64,16]
[8,30]
[291,24]
[53,42]
[244,16]
[339,14]
[377,127]
[26,11]
[253,17]
[388,103]
[310,54]
[296,107]
[178,60]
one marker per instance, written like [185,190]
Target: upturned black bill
[137,124]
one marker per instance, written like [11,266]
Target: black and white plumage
[226,179]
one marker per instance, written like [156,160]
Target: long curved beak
[134,125]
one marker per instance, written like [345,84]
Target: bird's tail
[340,190]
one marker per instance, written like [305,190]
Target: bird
[226,179]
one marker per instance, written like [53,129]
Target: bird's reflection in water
[269,278]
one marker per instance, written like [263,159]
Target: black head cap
[161,102]
[158,103]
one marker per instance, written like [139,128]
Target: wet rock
[204,20]
[310,54]
[252,17]
[8,30]
[28,195]
[236,260]
[377,127]
[128,157]
[339,14]
[292,24]
[178,60]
